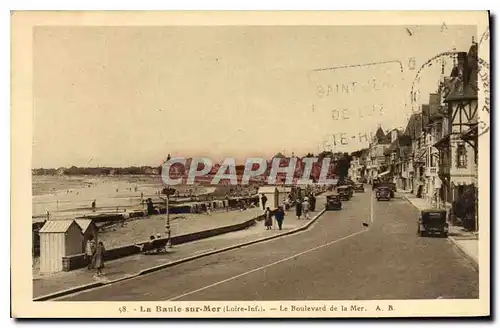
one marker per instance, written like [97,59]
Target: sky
[123,96]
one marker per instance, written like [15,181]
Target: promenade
[132,265]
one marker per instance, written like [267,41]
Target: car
[359,187]
[433,222]
[333,202]
[390,185]
[383,192]
[344,192]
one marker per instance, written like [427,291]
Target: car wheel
[444,235]
[422,234]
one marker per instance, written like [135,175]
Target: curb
[465,252]
[170,264]
[450,238]
[166,265]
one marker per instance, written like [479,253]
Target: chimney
[462,64]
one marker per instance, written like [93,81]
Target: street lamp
[169,192]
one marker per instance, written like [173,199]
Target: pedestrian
[264,201]
[93,205]
[305,208]
[208,209]
[312,200]
[125,216]
[280,216]
[90,248]
[268,222]
[298,208]
[98,258]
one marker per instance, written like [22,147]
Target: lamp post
[167,218]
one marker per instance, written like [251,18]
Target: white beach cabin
[58,238]
[275,195]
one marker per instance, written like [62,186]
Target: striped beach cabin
[58,238]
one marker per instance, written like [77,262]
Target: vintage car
[345,192]
[383,192]
[433,222]
[390,185]
[359,187]
[333,202]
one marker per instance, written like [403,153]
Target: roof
[56,226]
[84,224]
[464,86]
[382,137]
[380,133]
[413,124]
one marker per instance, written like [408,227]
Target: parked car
[433,222]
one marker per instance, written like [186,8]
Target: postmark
[482,88]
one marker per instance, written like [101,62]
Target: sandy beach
[67,197]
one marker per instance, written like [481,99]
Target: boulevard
[337,258]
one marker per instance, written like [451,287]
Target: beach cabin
[275,195]
[89,228]
[58,238]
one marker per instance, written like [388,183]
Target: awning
[384,173]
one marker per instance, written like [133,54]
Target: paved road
[336,259]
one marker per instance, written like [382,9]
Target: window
[439,131]
[461,156]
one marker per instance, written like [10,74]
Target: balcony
[431,171]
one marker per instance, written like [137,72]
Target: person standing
[98,259]
[268,222]
[305,208]
[298,208]
[90,248]
[93,205]
[264,201]
[280,216]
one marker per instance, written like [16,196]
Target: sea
[70,196]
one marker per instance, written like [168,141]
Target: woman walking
[298,208]
[268,219]
[280,216]
[99,258]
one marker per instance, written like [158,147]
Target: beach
[68,197]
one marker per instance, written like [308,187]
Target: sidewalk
[466,241]
[139,230]
[133,265]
